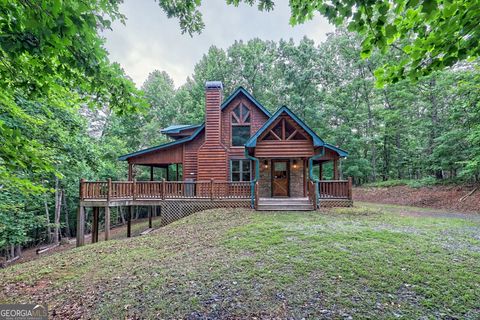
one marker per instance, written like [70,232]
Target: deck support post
[95,224]
[129,221]
[107,222]
[80,226]
[150,214]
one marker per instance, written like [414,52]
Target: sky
[150,41]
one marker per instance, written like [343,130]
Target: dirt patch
[438,197]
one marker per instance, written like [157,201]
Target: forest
[426,130]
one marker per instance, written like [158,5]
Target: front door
[280,178]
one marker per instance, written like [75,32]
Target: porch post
[335,169]
[131,173]
[151,173]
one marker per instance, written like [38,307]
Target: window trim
[240,169]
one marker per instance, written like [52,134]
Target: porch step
[284,204]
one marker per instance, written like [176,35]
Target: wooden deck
[126,193]
[151,191]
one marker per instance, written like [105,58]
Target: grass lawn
[362,262]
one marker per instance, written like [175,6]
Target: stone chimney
[213,123]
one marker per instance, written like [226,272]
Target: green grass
[364,262]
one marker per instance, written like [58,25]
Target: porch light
[294,164]
[265,164]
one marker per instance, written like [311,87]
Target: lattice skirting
[330,203]
[173,210]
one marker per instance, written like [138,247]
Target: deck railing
[335,189]
[160,190]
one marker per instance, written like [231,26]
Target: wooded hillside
[67,113]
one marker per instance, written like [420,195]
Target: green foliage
[52,55]
[53,68]
[430,35]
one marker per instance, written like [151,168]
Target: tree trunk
[68,234]
[47,215]
[58,208]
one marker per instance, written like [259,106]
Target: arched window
[240,125]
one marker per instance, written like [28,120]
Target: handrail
[335,189]
[161,190]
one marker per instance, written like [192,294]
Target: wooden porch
[118,193]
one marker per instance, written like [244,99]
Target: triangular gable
[317,141]
[240,90]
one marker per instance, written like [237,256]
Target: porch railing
[160,190]
[329,189]
[335,189]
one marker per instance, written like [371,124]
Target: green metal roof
[317,141]
[176,128]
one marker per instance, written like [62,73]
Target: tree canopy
[429,35]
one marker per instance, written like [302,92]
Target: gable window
[240,125]
[240,170]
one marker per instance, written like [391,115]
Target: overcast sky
[151,41]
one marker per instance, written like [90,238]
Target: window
[240,135]
[240,125]
[241,170]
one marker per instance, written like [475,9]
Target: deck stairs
[284,204]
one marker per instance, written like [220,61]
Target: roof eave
[162,146]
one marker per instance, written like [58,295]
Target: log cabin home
[242,155]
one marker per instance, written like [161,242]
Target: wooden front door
[280,178]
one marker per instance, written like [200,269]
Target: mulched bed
[439,197]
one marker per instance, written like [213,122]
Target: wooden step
[284,204]
[292,207]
